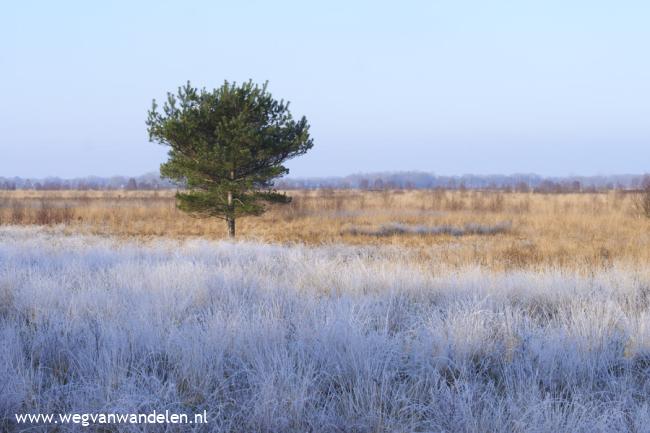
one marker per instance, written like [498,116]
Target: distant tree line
[150,181]
[370,181]
[516,182]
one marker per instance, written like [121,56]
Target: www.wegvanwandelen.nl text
[87,419]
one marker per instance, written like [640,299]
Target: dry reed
[564,230]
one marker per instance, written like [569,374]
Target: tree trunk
[231,209]
[231,226]
[230,219]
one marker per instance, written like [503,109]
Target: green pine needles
[226,146]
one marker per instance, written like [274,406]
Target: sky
[554,87]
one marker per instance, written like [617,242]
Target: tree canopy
[226,147]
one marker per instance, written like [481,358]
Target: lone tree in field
[226,148]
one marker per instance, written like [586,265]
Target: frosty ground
[333,338]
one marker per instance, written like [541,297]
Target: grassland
[271,338]
[346,311]
[567,230]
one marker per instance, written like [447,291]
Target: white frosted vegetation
[405,229]
[293,339]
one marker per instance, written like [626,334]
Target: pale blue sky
[554,87]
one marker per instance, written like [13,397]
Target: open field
[346,311]
[333,338]
[534,230]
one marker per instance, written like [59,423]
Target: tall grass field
[334,337]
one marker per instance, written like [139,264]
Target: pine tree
[226,146]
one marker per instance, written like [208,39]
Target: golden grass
[566,230]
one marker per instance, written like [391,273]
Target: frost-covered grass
[401,229]
[296,339]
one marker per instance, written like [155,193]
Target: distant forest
[370,181]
